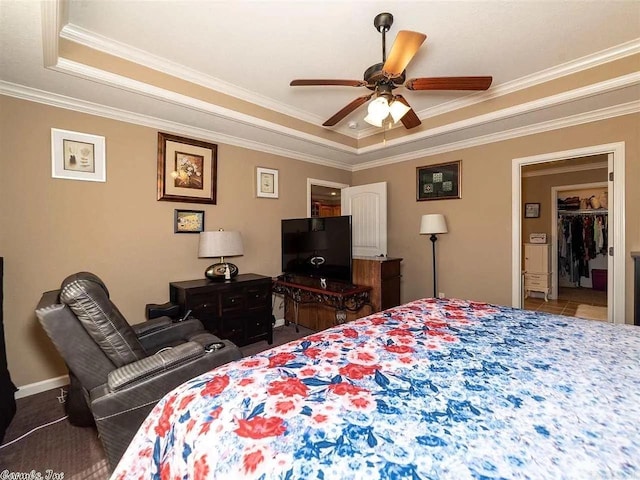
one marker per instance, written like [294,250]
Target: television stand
[342,297]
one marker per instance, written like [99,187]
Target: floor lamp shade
[220,244]
[433,224]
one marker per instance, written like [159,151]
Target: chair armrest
[151,326]
[170,333]
[152,365]
[168,309]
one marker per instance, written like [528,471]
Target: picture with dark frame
[531,210]
[187,169]
[439,182]
[188,221]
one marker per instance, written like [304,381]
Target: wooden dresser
[537,272]
[238,309]
[382,274]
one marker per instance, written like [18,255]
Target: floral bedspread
[434,389]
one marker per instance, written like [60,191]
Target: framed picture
[78,156]
[438,182]
[187,169]
[531,210]
[188,221]
[266,182]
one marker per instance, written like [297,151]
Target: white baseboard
[279,322]
[43,386]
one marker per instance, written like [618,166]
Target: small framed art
[187,169]
[439,182]
[266,182]
[188,221]
[531,210]
[78,156]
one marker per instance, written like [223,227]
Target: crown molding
[569,169]
[571,121]
[68,103]
[553,100]
[127,84]
[574,66]
[84,71]
[90,108]
[104,44]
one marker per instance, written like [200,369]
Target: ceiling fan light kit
[384,77]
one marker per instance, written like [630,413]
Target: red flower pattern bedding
[434,389]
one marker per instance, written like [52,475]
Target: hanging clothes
[581,237]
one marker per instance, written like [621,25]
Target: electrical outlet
[441,295]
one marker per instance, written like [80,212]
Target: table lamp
[433,224]
[220,244]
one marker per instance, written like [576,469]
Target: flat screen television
[317,247]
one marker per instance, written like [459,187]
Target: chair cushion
[88,298]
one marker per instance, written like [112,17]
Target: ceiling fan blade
[404,48]
[321,82]
[449,83]
[347,110]
[409,119]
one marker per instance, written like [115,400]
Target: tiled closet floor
[567,301]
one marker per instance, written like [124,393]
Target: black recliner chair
[123,370]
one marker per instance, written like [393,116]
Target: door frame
[320,183]
[554,233]
[616,163]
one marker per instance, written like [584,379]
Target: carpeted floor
[75,453]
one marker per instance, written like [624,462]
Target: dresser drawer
[257,327]
[232,302]
[259,297]
[202,302]
[536,280]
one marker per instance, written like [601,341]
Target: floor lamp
[432,225]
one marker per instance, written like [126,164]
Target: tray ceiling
[221,70]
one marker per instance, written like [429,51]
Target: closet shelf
[592,211]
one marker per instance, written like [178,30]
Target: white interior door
[367,205]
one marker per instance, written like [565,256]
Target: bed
[433,389]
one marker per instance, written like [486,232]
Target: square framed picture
[187,169]
[266,182]
[78,156]
[188,221]
[439,182]
[531,210]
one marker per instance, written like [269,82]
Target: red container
[599,279]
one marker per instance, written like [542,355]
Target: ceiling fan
[385,77]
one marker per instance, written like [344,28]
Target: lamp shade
[220,244]
[433,223]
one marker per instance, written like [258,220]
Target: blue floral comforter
[434,389]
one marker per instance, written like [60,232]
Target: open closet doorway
[521,214]
[565,237]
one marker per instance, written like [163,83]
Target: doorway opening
[566,243]
[615,155]
[324,198]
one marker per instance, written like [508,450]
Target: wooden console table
[341,297]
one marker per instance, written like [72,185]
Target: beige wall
[474,258]
[118,230]
[52,227]
[538,190]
